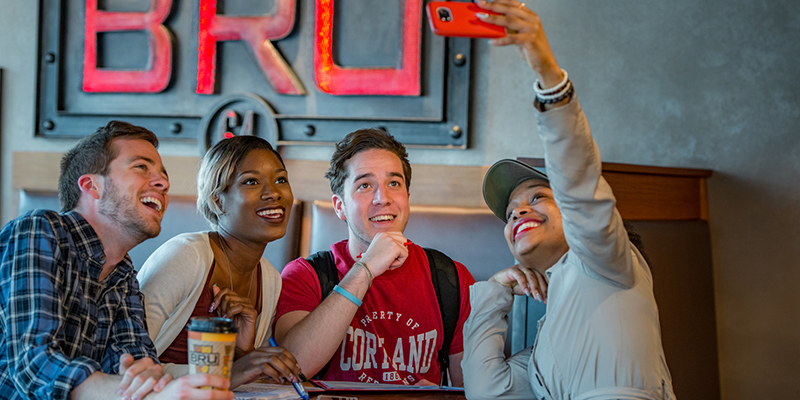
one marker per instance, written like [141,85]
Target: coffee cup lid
[211,325]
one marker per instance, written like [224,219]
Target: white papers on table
[265,391]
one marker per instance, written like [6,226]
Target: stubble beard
[121,211]
[358,234]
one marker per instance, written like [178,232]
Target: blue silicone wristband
[347,295]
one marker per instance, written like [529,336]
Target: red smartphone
[455,18]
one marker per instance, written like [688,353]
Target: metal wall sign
[291,71]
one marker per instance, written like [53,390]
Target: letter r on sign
[257,32]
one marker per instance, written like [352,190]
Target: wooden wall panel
[438,185]
[643,192]
[39,171]
[654,193]
[656,197]
[430,185]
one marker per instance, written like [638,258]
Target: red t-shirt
[396,334]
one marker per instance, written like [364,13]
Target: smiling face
[257,202]
[134,195]
[375,197]
[534,232]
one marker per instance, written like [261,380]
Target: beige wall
[688,83]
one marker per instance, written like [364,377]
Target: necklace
[230,270]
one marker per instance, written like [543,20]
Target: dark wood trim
[642,192]
[633,168]
[646,192]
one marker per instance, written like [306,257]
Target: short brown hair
[92,155]
[217,168]
[362,140]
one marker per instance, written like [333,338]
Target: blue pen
[298,386]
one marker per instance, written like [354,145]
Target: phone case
[453,18]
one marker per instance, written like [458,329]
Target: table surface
[388,395]
[315,391]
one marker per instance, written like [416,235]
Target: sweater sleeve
[488,374]
[592,225]
[270,292]
[171,281]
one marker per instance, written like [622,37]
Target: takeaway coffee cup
[211,345]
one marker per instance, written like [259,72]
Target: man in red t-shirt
[396,334]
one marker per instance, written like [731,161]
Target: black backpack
[444,277]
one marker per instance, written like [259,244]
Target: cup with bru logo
[211,345]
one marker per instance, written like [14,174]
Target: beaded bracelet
[537,88]
[347,295]
[363,264]
[555,94]
[552,99]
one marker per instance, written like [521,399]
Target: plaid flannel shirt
[58,322]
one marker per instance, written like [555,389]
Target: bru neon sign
[258,32]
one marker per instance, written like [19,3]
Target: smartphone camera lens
[444,14]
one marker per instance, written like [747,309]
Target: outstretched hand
[523,282]
[526,32]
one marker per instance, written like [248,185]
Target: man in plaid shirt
[72,322]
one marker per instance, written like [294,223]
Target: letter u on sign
[337,80]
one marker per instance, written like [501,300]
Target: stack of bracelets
[349,296]
[555,94]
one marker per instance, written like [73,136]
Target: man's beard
[121,211]
[359,232]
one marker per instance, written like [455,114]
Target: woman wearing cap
[244,193]
[600,337]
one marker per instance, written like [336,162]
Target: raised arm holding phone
[600,337]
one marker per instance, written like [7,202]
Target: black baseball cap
[502,178]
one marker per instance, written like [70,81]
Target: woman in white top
[244,193]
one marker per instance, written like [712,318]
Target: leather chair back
[472,236]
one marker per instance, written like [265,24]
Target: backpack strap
[325,267]
[445,282]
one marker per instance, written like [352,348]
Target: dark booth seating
[181,217]
[683,282]
[471,236]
